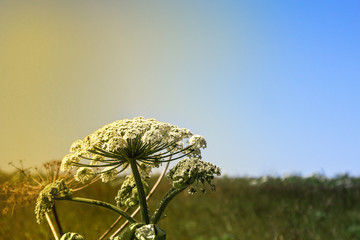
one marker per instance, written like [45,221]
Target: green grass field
[240,208]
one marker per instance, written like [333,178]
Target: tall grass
[241,208]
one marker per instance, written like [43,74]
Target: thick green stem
[164,202]
[101,204]
[142,197]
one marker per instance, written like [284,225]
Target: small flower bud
[150,232]
[71,236]
[128,194]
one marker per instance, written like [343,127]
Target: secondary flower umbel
[189,171]
[47,196]
[115,145]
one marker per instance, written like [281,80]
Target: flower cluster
[108,174]
[83,174]
[143,140]
[191,170]
[45,201]
[128,194]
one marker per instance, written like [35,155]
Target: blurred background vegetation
[263,208]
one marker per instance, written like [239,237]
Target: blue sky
[299,107]
[272,85]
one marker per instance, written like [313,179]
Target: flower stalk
[51,225]
[57,220]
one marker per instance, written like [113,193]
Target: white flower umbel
[144,140]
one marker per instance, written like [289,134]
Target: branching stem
[101,204]
[137,209]
[164,202]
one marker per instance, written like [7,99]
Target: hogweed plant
[139,145]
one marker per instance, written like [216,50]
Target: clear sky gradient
[273,86]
